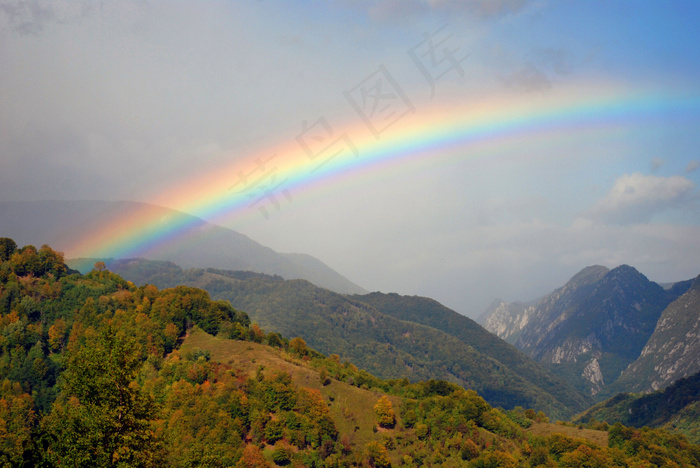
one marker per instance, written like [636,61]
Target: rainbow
[261,183]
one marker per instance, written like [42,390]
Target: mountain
[509,320]
[676,408]
[368,331]
[506,319]
[431,313]
[590,329]
[95,371]
[673,350]
[202,245]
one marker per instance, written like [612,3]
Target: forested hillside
[95,371]
[424,341]
[676,408]
[429,312]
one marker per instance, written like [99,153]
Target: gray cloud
[399,10]
[692,166]
[481,8]
[557,59]
[26,17]
[31,17]
[527,78]
[656,164]
[395,10]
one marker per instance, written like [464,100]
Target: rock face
[594,375]
[506,320]
[673,351]
[591,328]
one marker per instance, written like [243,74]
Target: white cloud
[637,198]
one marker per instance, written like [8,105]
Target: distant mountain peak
[593,326]
[587,275]
[626,271]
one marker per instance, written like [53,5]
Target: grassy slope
[351,407]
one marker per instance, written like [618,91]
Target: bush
[282,454]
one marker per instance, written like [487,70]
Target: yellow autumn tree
[385,412]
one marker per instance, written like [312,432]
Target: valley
[95,368]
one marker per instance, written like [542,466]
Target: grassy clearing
[351,408]
[544,429]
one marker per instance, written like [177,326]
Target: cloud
[25,18]
[528,78]
[397,10]
[558,60]
[481,8]
[656,164]
[637,198]
[30,17]
[692,166]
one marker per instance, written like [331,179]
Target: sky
[461,150]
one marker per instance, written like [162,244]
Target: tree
[252,458]
[57,334]
[51,261]
[7,248]
[298,346]
[385,412]
[377,456]
[469,450]
[16,421]
[103,417]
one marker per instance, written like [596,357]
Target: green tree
[7,248]
[103,417]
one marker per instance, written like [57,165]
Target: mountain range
[95,371]
[389,335]
[604,331]
[603,326]
[200,245]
